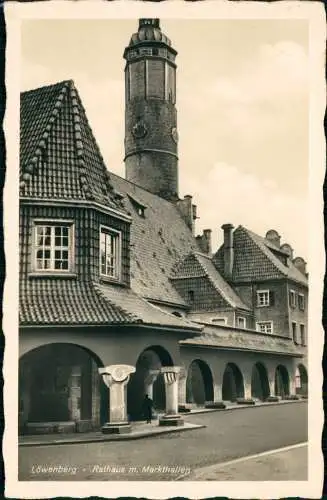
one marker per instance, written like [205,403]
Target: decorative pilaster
[116,378]
[150,379]
[171,375]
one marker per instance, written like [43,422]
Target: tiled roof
[197,265]
[146,312]
[45,301]
[67,301]
[254,260]
[224,337]
[159,239]
[59,157]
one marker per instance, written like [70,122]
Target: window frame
[301,306]
[263,292]
[303,334]
[243,318]
[295,332]
[118,234]
[52,223]
[271,323]
[219,320]
[292,298]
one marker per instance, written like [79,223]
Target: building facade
[118,297]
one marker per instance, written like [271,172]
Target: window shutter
[271,298]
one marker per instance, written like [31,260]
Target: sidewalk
[139,430]
[284,464]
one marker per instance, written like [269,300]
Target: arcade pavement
[228,435]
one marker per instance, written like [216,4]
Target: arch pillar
[182,386]
[116,378]
[247,380]
[150,379]
[171,376]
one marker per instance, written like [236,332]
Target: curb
[242,407]
[117,437]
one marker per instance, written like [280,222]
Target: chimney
[207,239]
[301,265]
[204,241]
[228,250]
[187,210]
[286,248]
[273,237]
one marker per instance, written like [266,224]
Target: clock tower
[150,115]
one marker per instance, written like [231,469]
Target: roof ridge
[76,105]
[29,169]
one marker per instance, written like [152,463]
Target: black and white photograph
[164,195]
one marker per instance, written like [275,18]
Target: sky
[242,103]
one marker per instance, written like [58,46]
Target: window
[294,332]
[241,322]
[292,298]
[53,245]
[219,321]
[302,334]
[265,326]
[109,253]
[191,295]
[301,302]
[147,51]
[264,298]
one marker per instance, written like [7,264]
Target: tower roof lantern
[149,31]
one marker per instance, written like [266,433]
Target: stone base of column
[292,397]
[215,405]
[245,401]
[184,408]
[116,428]
[272,399]
[171,420]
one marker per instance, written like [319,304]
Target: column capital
[170,369]
[151,376]
[116,373]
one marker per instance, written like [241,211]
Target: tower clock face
[174,134]
[139,129]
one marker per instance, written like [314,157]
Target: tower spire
[150,113]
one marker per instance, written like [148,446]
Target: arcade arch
[233,384]
[259,382]
[147,379]
[199,383]
[282,382]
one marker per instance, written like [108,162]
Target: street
[228,435]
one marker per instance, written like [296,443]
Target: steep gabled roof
[159,239]
[59,157]
[197,265]
[255,259]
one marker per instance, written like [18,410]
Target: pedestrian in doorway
[147,408]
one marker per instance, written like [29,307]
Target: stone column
[75,393]
[171,375]
[116,377]
[150,379]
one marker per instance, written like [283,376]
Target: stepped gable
[60,159]
[159,239]
[255,260]
[197,265]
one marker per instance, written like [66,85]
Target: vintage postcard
[163,228]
